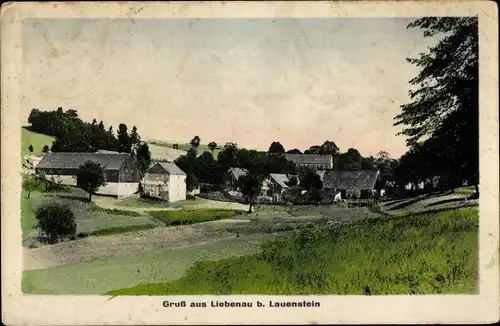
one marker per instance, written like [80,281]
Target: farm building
[351,183]
[232,175]
[120,170]
[278,184]
[165,181]
[315,161]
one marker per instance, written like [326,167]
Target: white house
[165,181]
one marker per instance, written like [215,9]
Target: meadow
[185,147]
[432,253]
[36,140]
[90,218]
[101,275]
[192,216]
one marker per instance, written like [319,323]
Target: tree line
[205,168]
[74,135]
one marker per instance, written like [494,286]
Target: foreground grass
[420,254]
[101,276]
[192,216]
[36,140]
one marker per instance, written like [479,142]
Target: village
[248,189]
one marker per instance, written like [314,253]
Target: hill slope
[36,140]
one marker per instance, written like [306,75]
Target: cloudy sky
[250,81]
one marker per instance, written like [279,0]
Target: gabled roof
[238,172]
[341,179]
[309,158]
[60,160]
[171,168]
[281,179]
[321,174]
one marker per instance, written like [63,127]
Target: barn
[120,170]
[314,161]
[359,183]
[165,181]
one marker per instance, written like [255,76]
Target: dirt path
[128,243]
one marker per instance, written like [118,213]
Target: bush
[55,221]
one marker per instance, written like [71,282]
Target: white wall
[120,189]
[66,179]
[177,188]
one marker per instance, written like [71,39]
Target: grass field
[90,219]
[192,216]
[416,254]
[37,140]
[101,276]
[185,147]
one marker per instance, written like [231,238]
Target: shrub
[55,221]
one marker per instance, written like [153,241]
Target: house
[31,161]
[232,175]
[165,181]
[314,161]
[278,184]
[120,170]
[351,183]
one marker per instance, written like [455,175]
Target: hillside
[36,140]
[162,149]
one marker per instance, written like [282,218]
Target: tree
[444,104]
[350,160]
[195,142]
[250,185]
[205,167]
[368,163]
[55,221]
[294,151]
[30,148]
[276,148]
[135,139]
[30,183]
[292,182]
[329,148]
[212,145]
[45,149]
[125,145]
[311,181]
[143,157]
[90,177]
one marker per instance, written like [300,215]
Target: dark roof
[238,172]
[60,160]
[282,179]
[171,168]
[309,158]
[340,179]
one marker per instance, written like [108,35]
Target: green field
[184,217]
[185,147]
[37,140]
[416,254]
[90,219]
[101,276]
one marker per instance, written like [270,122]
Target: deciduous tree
[90,177]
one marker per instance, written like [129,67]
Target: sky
[249,81]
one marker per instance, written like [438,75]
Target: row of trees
[74,135]
[441,121]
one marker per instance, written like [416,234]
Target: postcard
[250,163]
